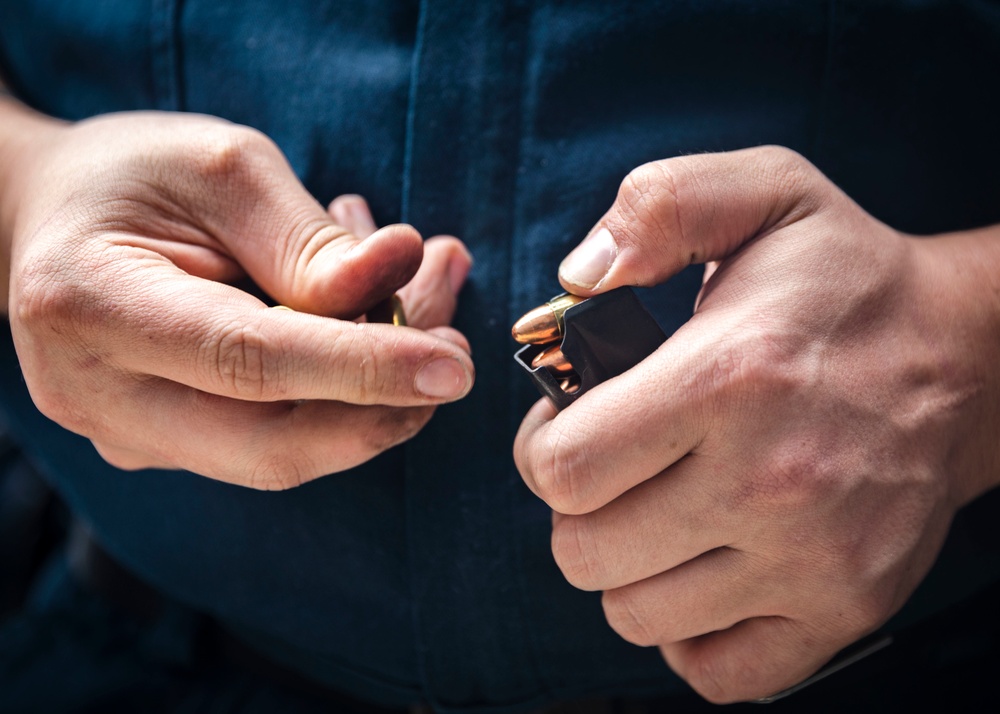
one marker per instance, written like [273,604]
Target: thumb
[291,246]
[691,209]
[431,296]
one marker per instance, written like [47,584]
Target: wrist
[961,277]
[23,135]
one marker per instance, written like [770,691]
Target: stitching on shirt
[165,49]
[407,185]
[411,113]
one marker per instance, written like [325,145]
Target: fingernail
[443,378]
[590,261]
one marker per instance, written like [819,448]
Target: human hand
[129,229]
[775,480]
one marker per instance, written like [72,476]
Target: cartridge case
[389,311]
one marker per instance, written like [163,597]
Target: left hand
[124,235]
[776,479]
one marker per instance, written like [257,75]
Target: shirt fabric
[426,573]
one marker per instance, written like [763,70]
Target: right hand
[128,232]
[775,480]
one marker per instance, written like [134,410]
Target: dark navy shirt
[426,574]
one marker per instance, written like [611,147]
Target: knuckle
[647,200]
[277,471]
[365,382]
[306,238]
[781,155]
[732,371]
[58,407]
[707,676]
[122,460]
[56,309]
[753,365]
[787,170]
[797,469]
[575,553]
[361,375]
[745,378]
[869,609]
[626,617]
[647,185]
[239,361]
[559,471]
[791,481]
[46,298]
[229,151]
[799,475]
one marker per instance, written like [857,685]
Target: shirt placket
[460,178]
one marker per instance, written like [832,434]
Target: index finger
[221,340]
[619,434]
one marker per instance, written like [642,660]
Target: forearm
[21,129]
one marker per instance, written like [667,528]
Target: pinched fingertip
[455,256]
[453,336]
[353,213]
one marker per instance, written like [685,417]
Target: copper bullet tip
[537,327]
[553,359]
[570,385]
[544,324]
